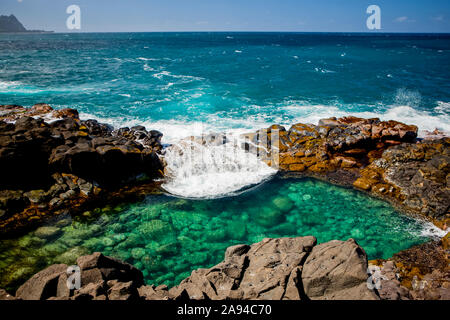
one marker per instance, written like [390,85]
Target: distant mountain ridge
[11,24]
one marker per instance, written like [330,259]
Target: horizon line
[222,31]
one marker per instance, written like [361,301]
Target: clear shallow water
[168,237]
[185,83]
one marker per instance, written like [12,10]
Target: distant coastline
[10,24]
[26,32]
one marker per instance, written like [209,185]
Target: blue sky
[232,15]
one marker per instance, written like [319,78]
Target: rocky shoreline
[76,165]
[53,164]
[382,158]
[273,269]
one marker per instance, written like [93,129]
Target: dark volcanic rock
[102,278]
[86,149]
[383,158]
[5,295]
[265,270]
[419,273]
[42,285]
[273,269]
[45,165]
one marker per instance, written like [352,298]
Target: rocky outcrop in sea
[383,158]
[53,163]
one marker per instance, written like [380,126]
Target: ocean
[191,83]
[188,83]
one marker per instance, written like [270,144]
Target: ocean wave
[9,84]
[148,68]
[147,59]
[429,230]
[198,171]
[286,115]
[424,120]
[320,70]
[165,73]
[16,87]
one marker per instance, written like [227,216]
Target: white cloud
[401,19]
[438,18]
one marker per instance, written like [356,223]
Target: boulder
[123,291]
[96,267]
[154,293]
[269,269]
[5,295]
[42,285]
[337,270]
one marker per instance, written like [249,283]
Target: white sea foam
[147,59]
[9,84]
[429,230]
[176,129]
[406,114]
[165,73]
[148,68]
[197,171]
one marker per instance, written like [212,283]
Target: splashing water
[210,171]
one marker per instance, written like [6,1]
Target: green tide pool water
[168,237]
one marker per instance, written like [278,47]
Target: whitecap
[148,68]
[429,230]
[199,171]
[147,59]
[9,84]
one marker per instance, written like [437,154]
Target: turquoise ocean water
[176,81]
[189,83]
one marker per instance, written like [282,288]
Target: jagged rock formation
[419,273]
[47,166]
[102,278]
[52,162]
[273,269]
[383,158]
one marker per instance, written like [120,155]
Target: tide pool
[168,237]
